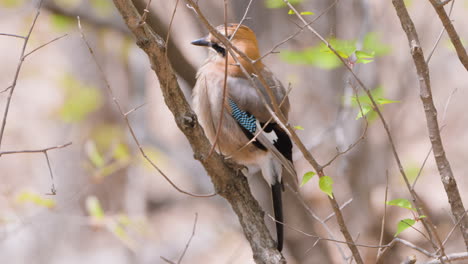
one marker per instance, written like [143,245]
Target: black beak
[201,42]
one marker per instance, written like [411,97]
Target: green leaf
[365,110]
[121,152]
[344,48]
[279,3]
[36,199]
[364,57]
[94,208]
[305,13]
[412,171]
[372,44]
[94,155]
[103,7]
[61,23]
[404,224]
[403,203]
[307,176]
[326,185]
[383,101]
[313,56]
[11,3]
[408,3]
[298,128]
[80,100]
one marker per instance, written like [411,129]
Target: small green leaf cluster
[118,225]
[280,3]
[322,56]
[408,222]
[325,182]
[364,103]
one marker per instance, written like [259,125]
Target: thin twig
[127,121]
[167,261]
[53,190]
[441,129]
[34,150]
[301,28]
[382,228]
[145,13]
[244,17]
[341,208]
[440,36]
[12,35]
[452,33]
[223,101]
[43,45]
[18,69]
[190,239]
[314,215]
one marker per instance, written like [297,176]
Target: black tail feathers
[276,191]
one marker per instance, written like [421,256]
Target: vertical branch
[430,111]
[452,33]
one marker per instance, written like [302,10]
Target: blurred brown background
[60,97]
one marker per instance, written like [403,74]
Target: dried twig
[53,190]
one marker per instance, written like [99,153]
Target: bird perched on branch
[244,107]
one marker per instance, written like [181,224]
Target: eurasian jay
[245,114]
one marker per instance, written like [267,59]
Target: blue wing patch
[244,119]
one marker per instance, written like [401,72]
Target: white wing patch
[271,136]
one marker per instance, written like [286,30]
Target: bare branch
[43,45]
[34,150]
[190,239]
[443,165]
[382,228]
[12,35]
[18,69]
[53,190]
[450,257]
[452,33]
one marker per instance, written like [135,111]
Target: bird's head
[241,37]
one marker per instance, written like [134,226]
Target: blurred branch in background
[125,114]
[454,37]
[181,65]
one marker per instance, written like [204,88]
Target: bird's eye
[229,37]
[219,49]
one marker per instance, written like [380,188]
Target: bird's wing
[268,136]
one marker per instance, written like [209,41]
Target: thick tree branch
[443,165]
[229,184]
[452,33]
